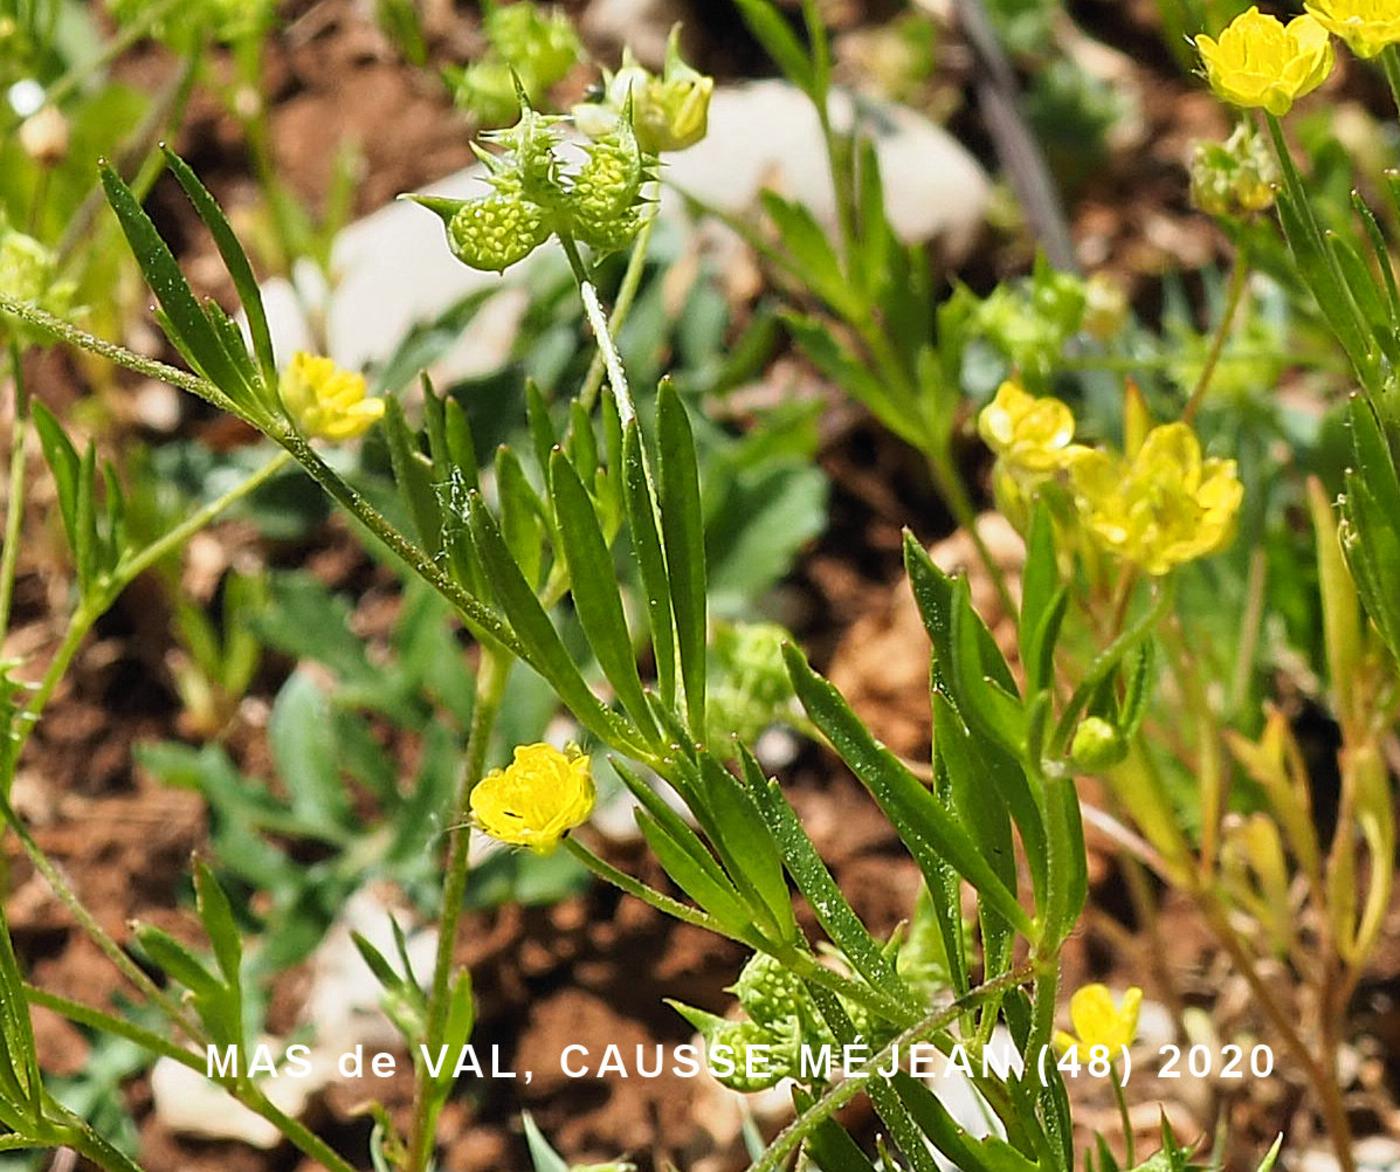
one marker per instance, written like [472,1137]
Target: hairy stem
[622,306]
[598,322]
[14,506]
[492,674]
[1234,295]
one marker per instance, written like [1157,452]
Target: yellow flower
[325,401]
[1164,506]
[1099,1022]
[537,799]
[1261,62]
[1368,26]
[1028,433]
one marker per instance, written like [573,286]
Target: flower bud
[1097,745]
[1105,307]
[325,401]
[44,136]
[669,113]
[1233,178]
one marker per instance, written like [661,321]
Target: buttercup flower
[1030,433]
[537,799]
[1162,507]
[1261,62]
[1098,1021]
[325,401]
[1367,26]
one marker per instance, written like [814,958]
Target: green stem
[850,1087]
[1129,1140]
[1105,662]
[480,619]
[801,963]
[163,118]
[622,306]
[79,625]
[127,570]
[162,372]
[100,1020]
[246,1094]
[1239,278]
[14,506]
[109,947]
[955,495]
[295,1131]
[492,675]
[598,321]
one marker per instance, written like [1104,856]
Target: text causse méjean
[611,1061]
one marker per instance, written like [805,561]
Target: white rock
[766,134]
[342,1005]
[189,1104]
[1378,1152]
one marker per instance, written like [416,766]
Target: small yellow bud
[1163,506]
[537,799]
[1233,178]
[1367,26]
[1259,62]
[1098,1021]
[1097,744]
[325,401]
[1029,433]
[1105,307]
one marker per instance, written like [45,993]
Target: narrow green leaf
[651,562]
[547,654]
[236,261]
[719,900]
[85,522]
[216,914]
[736,828]
[522,514]
[678,830]
[543,437]
[929,831]
[836,916]
[176,960]
[413,473]
[683,530]
[593,583]
[779,41]
[184,319]
[63,461]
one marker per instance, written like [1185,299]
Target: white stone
[766,134]
[393,269]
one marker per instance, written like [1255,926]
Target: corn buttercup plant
[523,550]
[507,551]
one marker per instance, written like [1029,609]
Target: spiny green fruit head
[609,236]
[610,180]
[541,46]
[492,233]
[769,993]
